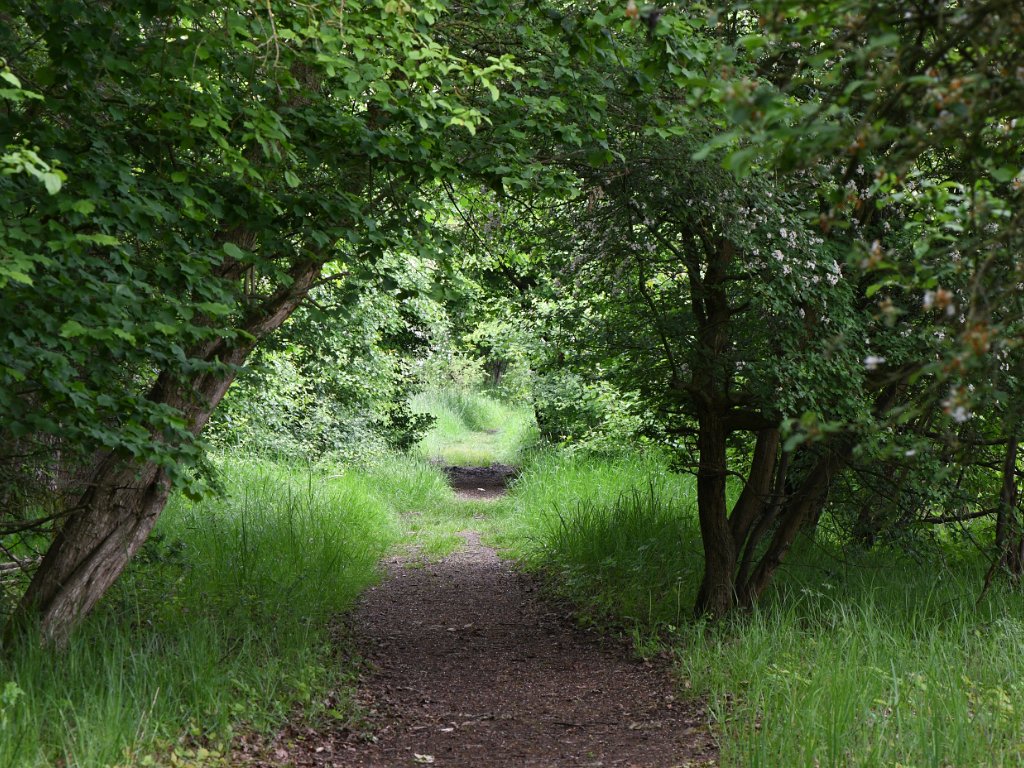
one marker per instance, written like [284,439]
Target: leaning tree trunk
[122,499]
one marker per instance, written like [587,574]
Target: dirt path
[480,483]
[469,667]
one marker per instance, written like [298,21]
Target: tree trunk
[122,499]
[767,519]
[115,516]
[716,596]
[1008,529]
[496,369]
[804,505]
[753,500]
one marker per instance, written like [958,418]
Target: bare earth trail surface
[480,483]
[468,666]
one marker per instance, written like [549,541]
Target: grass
[547,498]
[222,623]
[855,659]
[890,664]
[426,508]
[474,428]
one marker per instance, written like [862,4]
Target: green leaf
[99,239]
[1004,174]
[72,329]
[291,179]
[14,275]
[52,182]
[234,251]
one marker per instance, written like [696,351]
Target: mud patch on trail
[468,666]
[480,483]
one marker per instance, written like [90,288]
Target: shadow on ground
[480,483]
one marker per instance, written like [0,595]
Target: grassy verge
[427,513]
[222,622]
[473,428]
[872,659]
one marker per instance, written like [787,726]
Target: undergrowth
[473,428]
[221,623]
[428,516]
[853,659]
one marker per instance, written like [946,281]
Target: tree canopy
[781,240]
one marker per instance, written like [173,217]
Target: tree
[217,156]
[842,280]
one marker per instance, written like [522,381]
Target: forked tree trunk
[736,572]
[804,505]
[766,516]
[122,499]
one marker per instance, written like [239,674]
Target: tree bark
[804,505]
[716,596]
[753,500]
[711,311]
[766,520]
[122,498]
[1008,530]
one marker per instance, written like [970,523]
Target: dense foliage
[781,241]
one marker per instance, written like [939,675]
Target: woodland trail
[468,666]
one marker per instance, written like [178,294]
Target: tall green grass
[473,428]
[223,621]
[854,659]
[558,492]
[428,513]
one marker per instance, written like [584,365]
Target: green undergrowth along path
[222,624]
[429,515]
[432,532]
[473,428]
[887,660]
[891,663]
